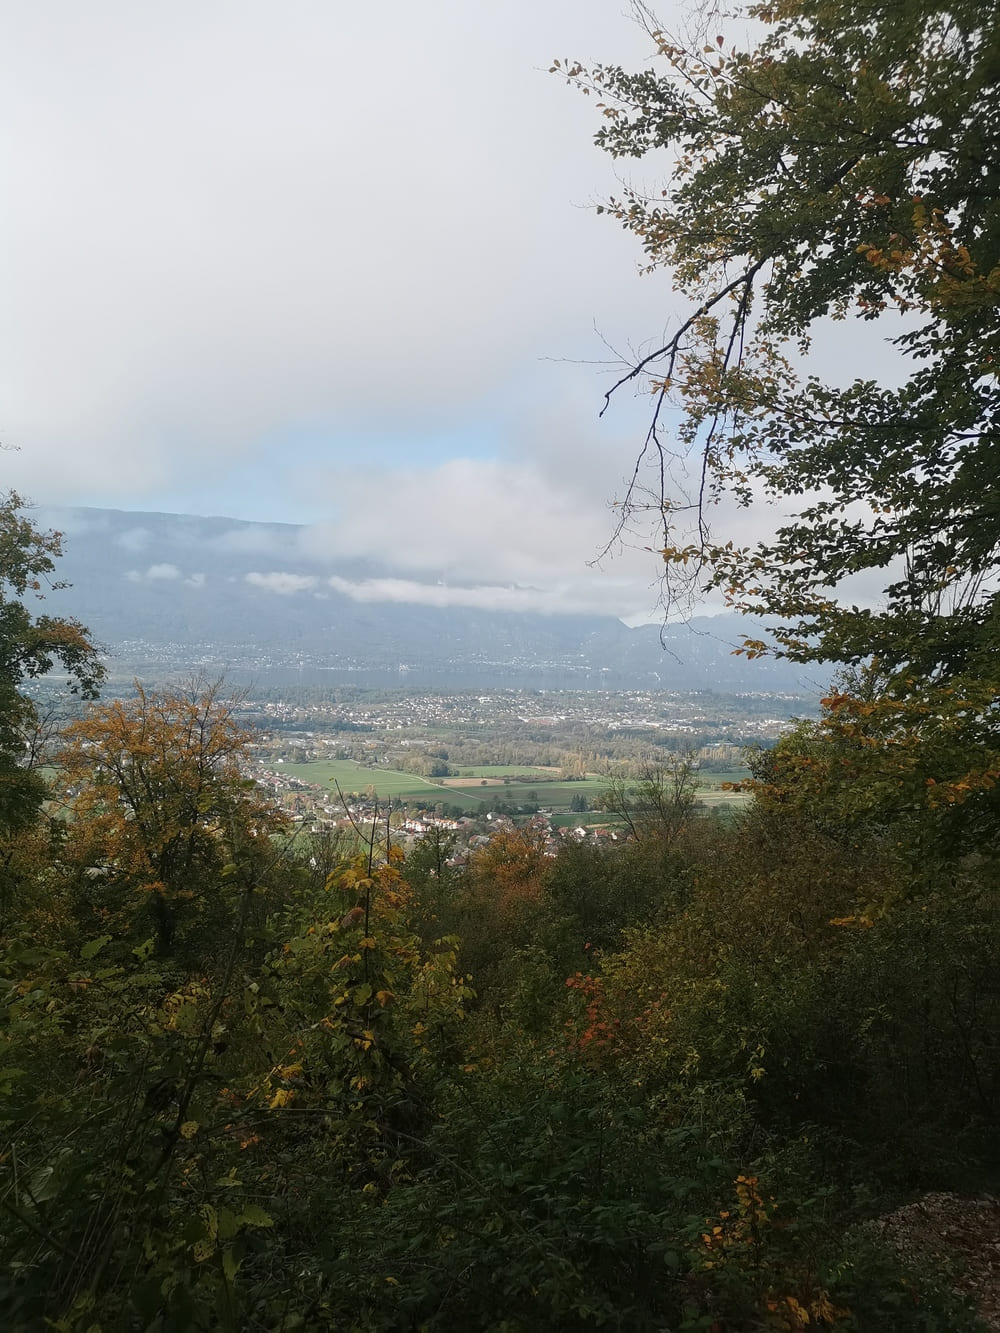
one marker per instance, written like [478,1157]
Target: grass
[710,791]
[714,778]
[473,797]
[355,777]
[713,799]
[549,795]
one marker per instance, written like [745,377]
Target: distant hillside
[166,591]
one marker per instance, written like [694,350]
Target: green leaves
[161,806]
[840,169]
[94,947]
[30,647]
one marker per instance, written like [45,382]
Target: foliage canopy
[844,167]
[30,647]
[162,805]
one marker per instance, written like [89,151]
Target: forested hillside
[249,1082]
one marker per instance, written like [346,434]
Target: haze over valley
[166,593]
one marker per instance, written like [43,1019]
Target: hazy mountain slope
[255,596]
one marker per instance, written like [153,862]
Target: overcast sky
[327,263]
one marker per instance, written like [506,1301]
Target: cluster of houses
[317,810]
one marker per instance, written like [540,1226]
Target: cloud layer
[332,264]
[232,224]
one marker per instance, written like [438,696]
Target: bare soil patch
[959,1235]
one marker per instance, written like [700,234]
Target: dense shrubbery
[654,1087]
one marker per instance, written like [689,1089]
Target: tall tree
[164,805]
[31,646]
[847,166]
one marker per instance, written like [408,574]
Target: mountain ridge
[255,595]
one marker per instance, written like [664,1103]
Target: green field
[713,799]
[710,791]
[355,777]
[550,795]
[709,778]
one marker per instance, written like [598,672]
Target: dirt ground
[960,1233]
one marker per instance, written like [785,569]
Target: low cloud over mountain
[260,599]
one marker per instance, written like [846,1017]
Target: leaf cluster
[843,167]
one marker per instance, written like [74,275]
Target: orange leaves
[955,792]
[679,555]
[597,1032]
[751,649]
[925,756]
[793,1299]
[162,807]
[738,1229]
[510,870]
[937,265]
[835,701]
